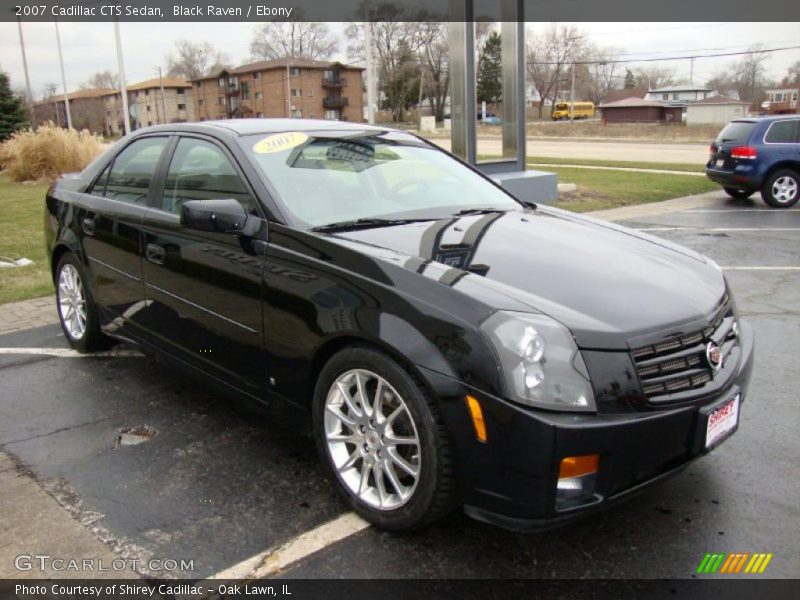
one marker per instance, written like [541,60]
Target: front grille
[671,368]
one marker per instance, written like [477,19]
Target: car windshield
[736,132]
[328,178]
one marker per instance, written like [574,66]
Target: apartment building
[287,87]
[100,109]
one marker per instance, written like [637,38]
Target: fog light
[576,481]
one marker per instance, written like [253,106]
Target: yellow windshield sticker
[279,142]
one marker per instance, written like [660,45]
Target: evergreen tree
[630,79]
[12,110]
[490,86]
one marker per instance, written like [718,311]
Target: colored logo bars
[737,562]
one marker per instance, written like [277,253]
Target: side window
[132,170]
[199,170]
[99,187]
[782,132]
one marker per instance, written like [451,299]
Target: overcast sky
[89,47]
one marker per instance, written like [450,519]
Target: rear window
[737,132]
[782,132]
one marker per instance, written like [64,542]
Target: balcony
[334,82]
[334,102]
[232,89]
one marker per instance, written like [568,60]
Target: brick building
[87,108]
[286,87]
[146,103]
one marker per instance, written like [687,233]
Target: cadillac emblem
[714,355]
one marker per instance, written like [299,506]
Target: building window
[200,102]
[148,108]
[665,96]
[222,82]
[297,113]
[310,93]
[256,75]
[332,115]
[294,71]
[674,96]
[222,100]
[245,90]
[259,95]
[181,107]
[296,93]
[149,123]
[259,115]
[181,91]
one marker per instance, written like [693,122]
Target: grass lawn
[598,189]
[630,164]
[21,218]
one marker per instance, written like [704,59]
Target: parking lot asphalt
[217,484]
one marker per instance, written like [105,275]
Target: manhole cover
[130,436]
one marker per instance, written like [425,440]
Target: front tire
[381,441]
[738,194]
[77,312]
[781,189]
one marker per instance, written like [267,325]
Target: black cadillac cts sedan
[443,343]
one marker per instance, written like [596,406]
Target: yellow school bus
[580,110]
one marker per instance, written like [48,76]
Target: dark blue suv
[759,154]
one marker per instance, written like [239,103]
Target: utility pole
[288,92]
[63,78]
[123,88]
[163,102]
[572,96]
[25,64]
[691,70]
[370,73]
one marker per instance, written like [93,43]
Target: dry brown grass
[49,151]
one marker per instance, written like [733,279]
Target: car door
[110,224]
[204,287]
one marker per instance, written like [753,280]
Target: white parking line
[69,352]
[718,228]
[272,561]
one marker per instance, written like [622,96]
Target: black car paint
[259,317]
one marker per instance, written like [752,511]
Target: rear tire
[77,312]
[781,189]
[737,193]
[381,440]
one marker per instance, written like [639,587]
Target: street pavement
[218,485]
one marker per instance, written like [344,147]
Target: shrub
[47,152]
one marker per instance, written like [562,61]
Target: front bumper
[511,479]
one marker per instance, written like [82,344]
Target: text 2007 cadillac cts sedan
[444,343]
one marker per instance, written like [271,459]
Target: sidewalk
[27,314]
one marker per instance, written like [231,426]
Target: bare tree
[102,79]
[193,60]
[600,76]
[653,77]
[751,75]
[295,39]
[549,58]
[434,59]
[792,74]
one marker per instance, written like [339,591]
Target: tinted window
[737,132]
[199,170]
[99,187]
[133,169]
[782,132]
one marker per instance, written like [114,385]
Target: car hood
[605,282]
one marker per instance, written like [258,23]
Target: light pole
[63,78]
[25,63]
[163,102]
[370,73]
[123,89]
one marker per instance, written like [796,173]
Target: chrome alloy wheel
[72,301]
[372,439]
[784,189]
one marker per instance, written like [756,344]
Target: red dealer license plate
[722,422]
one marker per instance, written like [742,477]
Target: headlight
[540,361]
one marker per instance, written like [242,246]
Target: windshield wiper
[366,223]
[478,211]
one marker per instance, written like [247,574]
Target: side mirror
[221,216]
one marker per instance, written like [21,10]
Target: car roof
[767,118]
[239,127]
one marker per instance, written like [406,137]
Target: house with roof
[679,95]
[86,106]
[153,102]
[781,101]
[716,110]
[639,110]
[285,87]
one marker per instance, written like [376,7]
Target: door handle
[88,226]
[155,254]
